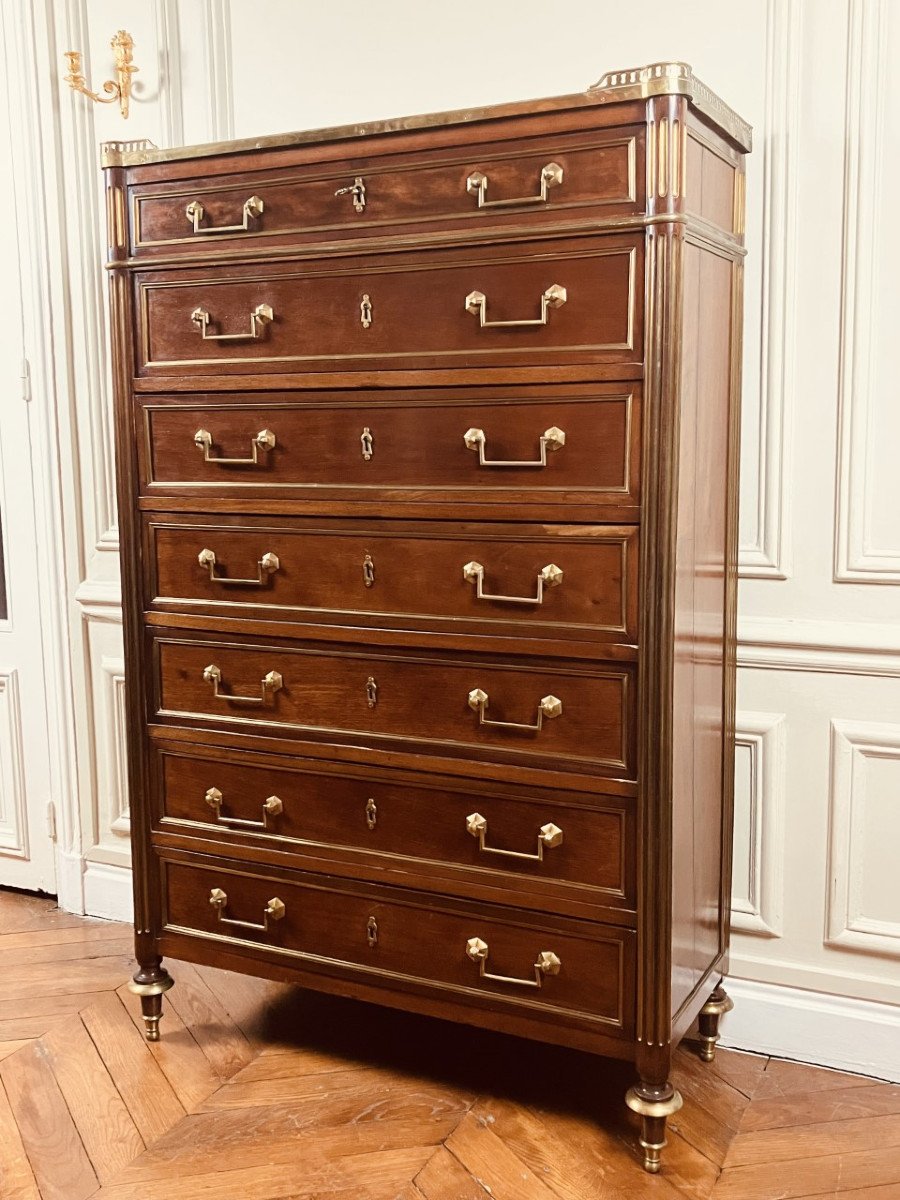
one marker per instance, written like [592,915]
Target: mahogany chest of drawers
[427,463]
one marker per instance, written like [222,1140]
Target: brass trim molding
[656,79]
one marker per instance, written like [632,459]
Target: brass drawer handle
[259,318]
[477,185]
[267,565]
[551,439]
[268,686]
[549,576]
[549,707]
[476,303]
[272,807]
[252,208]
[549,836]
[274,911]
[547,963]
[264,440]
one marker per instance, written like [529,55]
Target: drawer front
[567,177]
[416,447]
[564,579]
[506,840]
[531,303]
[578,718]
[463,951]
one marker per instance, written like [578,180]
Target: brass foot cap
[151,989]
[653,1108]
[707,1048]
[651,1157]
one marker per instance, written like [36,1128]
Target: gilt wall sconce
[116,89]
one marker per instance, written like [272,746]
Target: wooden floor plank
[445,1178]
[52,979]
[224,1045]
[289,1063]
[889,1191]
[104,1124]
[61,954]
[491,1161]
[811,1141]
[177,1054]
[88,932]
[828,1105]
[708,1135]
[782,1078]
[55,1151]
[576,1158]
[801,1177]
[147,1093]
[206,1142]
[7,1048]
[246,998]
[338,1096]
[21,912]
[17,1180]
[742,1070]
[377,1176]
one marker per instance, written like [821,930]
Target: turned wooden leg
[654,1103]
[150,983]
[708,1025]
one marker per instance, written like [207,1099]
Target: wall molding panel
[13,817]
[760,741]
[869,61]
[854,746]
[827,647]
[768,557]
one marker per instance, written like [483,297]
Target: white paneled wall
[816,901]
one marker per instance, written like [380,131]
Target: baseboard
[69,881]
[860,1036]
[107,892]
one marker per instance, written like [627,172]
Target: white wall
[817,906]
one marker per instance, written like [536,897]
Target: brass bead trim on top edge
[657,79]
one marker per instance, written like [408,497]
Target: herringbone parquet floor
[260,1092]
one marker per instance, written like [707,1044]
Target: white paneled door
[26,820]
